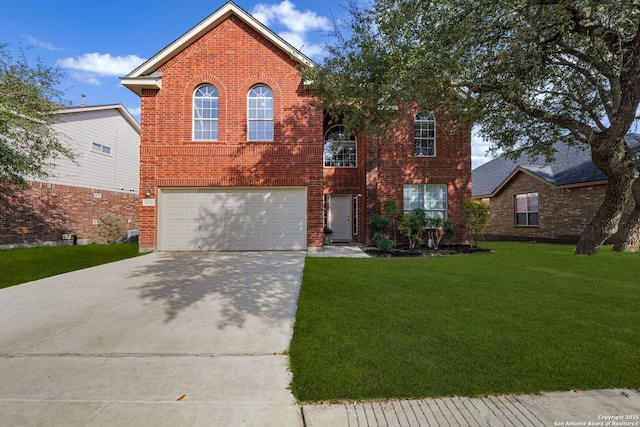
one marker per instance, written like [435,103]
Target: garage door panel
[233,219]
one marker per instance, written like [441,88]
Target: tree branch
[509,97]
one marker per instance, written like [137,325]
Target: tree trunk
[630,235]
[614,159]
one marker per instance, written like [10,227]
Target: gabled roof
[118,107]
[146,75]
[572,166]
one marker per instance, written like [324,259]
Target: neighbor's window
[205,113]
[430,197]
[339,148]
[260,114]
[99,148]
[527,209]
[425,135]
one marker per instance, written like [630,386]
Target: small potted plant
[327,234]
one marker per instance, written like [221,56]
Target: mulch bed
[443,250]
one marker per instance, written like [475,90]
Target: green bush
[111,229]
[379,226]
[385,245]
[412,225]
[477,218]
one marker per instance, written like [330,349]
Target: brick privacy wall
[233,58]
[43,212]
[563,212]
[391,163]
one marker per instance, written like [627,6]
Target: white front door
[340,218]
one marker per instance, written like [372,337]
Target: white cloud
[135,112]
[479,151]
[89,78]
[102,64]
[34,41]
[297,25]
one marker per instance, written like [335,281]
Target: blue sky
[95,43]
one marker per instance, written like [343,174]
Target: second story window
[99,148]
[205,113]
[339,148]
[260,114]
[425,135]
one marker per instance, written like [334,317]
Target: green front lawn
[529,318]
[22,265]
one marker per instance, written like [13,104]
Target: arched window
[339,148]
[205,113]
[425,135]
[260,114]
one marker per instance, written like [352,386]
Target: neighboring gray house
[106,139]
[534,200]
[105,178]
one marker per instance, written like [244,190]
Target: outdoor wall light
[148,193]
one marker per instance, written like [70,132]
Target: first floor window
[339,148]
[430,197]
[526,206]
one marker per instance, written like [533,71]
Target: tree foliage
[29,102]
[528,73]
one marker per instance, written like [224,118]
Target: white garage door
[232,219]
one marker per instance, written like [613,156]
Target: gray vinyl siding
[118,171]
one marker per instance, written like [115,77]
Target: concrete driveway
[165,339]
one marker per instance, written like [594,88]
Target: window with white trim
[205,113]
[99,148]
[430,197]
[424,135]
[339,148]
[526,208]
[260,114]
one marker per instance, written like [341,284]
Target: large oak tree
[528,73]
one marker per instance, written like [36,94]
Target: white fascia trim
[139,83]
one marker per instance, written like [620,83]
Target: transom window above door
[205,113]
[425,135]
[339,148]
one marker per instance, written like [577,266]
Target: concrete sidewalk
[586,408]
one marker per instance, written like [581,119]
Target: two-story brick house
[234,157]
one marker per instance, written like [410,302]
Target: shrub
[385,245]
[412,225]
[391,208]
[379,225]
[111,229]
[477,218]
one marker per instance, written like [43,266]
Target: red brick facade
[42,212]
[234,57]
